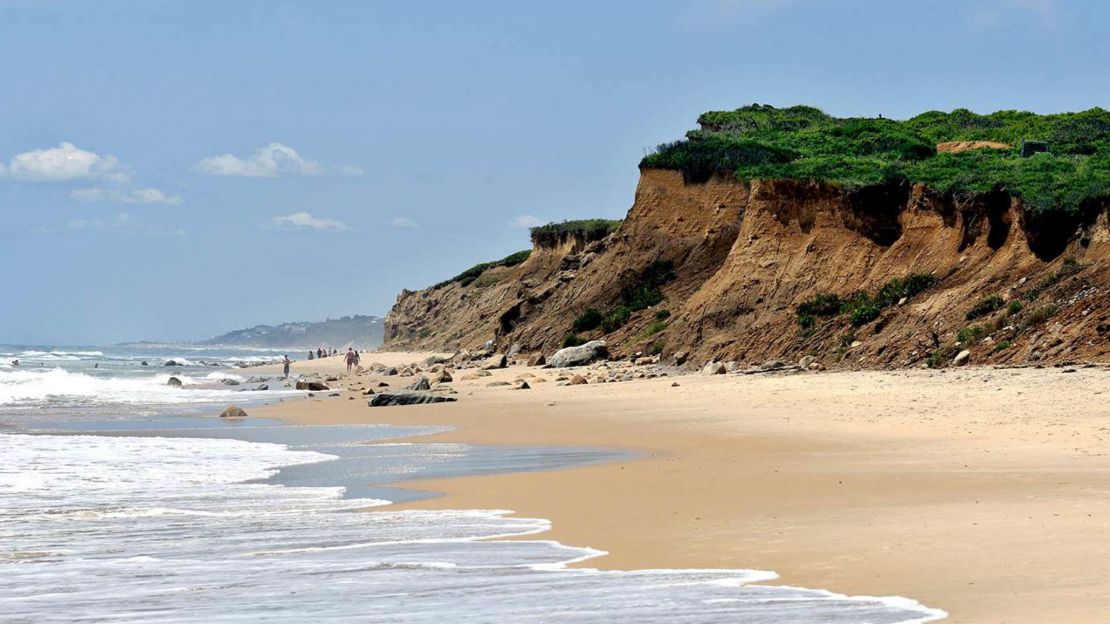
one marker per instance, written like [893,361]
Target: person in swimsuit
[350,359]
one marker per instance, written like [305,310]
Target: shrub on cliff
[468,276]
[803,143]
[587,230]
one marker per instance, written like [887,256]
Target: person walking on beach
[285,362]
[350,359]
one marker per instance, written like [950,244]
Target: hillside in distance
[788,234]
[359,331]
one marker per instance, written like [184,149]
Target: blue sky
[172,170]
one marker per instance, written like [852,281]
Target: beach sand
[983,492]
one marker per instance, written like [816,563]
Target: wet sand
[979,491]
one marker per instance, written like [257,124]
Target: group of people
[320,353]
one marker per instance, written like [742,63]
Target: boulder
[263,387]
[962,358]
[331,378]
[680,357]
[173,381]
[227,381]
[421,384]
[580,355]
[171,363]
[407,398]
[514,349]
[537,359]
[432,360]
[645,361]
[772,365]
[391,371]
[16,363]
[713,368]
[495,362]
[232,411]
[578,380]
[523,385]
[806,361]
[314,386]
[483,373]
[732,366]
[443,376]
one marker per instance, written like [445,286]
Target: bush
[662,315]
[970,334]
[468,276]
[615,319]
[893,291]
[572,340]
[654,328]
[807,321]
[803,143]
[1002,346]
[823,304]
[588,320]
[1014,307]
[1041,314]
[985,306]
[865,312]
[657,347]
[588,230]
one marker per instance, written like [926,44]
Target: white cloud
[133,196]
[65,162]
[271,161]
[404,223]
[527,221]
[123,223]
[305,221]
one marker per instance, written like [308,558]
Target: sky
[174,170]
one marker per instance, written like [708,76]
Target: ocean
[123,499]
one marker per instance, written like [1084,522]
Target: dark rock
[315,386]
[143,364]
[407,398]
[174,381]
[421,384]
[171,363]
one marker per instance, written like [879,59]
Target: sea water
[116,508]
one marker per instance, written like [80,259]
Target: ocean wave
[59,385]
[109,515]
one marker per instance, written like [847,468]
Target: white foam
[148,528]
[56,384]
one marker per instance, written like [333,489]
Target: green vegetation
[804,143]
[941,356]
[862,307]
[985,306]
[588,320]
[572,340]
[586,229]
[654,328]
[970,334]
[467,277]
[643,293]
[1041,314]
[657,347]
[1014,307]
[1002,346]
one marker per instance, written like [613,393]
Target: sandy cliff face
[746,256]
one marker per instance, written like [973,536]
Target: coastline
[976,491]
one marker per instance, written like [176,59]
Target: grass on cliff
[468,276]
[588,230]
[862,307]
[804,143]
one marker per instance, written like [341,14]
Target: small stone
[233,411]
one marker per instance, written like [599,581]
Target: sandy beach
[979,491]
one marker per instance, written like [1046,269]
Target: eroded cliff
[743,258]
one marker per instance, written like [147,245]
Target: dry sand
[982,492]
